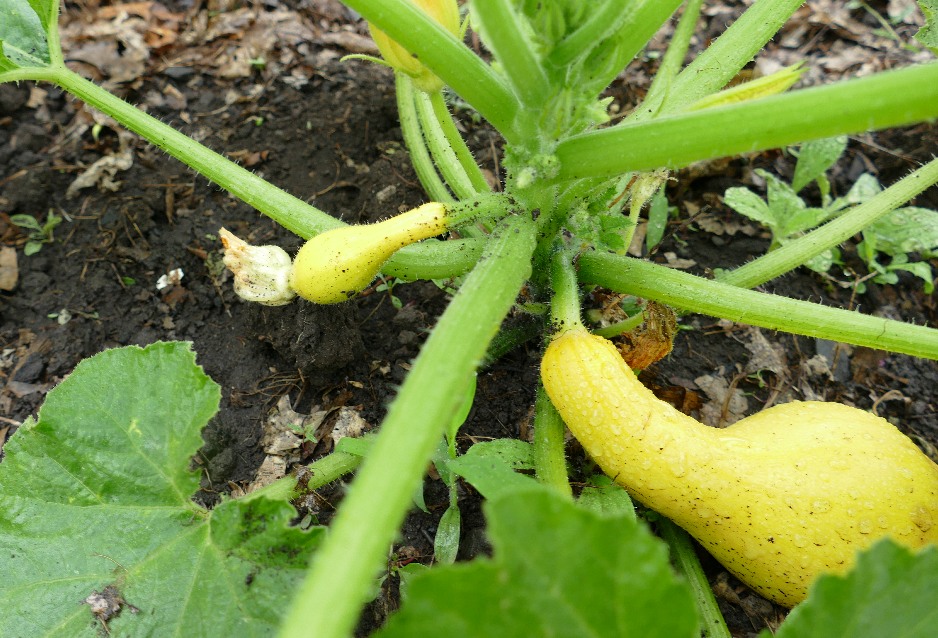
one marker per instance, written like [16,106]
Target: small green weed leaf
[747,203]
[823,262]
[605,497]
[889,274]
[782,198]
[802,220]
[23,25]
[864,189]
[928,35]
[890,592]
[815,158]
[446,541]
[905,230]
[515,454]
[356,446]
[490,467]
[824,186]
[658,213]
[26,221]
[461,415]
[97,493]
[558,570]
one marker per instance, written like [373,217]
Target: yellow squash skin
[778,498]
[335,265]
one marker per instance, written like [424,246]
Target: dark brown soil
[335,142]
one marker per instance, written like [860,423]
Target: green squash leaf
[47,10]
[890,592]
[95,497]
[23,27]
[558,570]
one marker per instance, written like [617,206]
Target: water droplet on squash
[865,526]
[799,541]
[839,464]
[704,512]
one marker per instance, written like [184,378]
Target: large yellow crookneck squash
[778,498]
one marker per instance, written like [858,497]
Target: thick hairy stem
[378,499]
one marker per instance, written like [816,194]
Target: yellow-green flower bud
[261,273]
[333,266]
[446,13]
[773,84]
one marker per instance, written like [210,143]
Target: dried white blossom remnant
[172,278]
[261,273]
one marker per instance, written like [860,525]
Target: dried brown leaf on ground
[727,403]
[765,354]
[116,43]
[9,270]
[103,173]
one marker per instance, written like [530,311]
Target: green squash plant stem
[441,150]
[556,229]
[378,499]
[685,559]
[695,294]
[788,257]
[292,213]
[550,463]
[455,141]
[888,99]
[416,144]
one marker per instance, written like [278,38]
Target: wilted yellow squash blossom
[446,13]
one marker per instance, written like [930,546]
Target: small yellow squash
[334,266]
[778,498]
